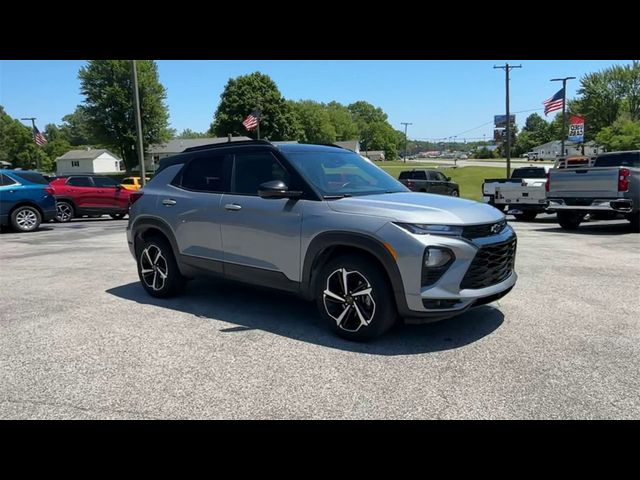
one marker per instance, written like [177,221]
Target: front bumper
[445,298]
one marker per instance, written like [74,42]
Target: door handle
[168,202]
[232,206]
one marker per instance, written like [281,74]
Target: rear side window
[418,175]
[32,177]
[127,181]
[206,174]
[80,182]
[625,159]
[6,180]
[104,182]
[251,170]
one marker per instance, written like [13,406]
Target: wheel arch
[26,203]
[327,245]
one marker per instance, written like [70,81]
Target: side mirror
[118,187]
[276,189]
[448,179]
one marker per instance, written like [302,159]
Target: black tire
[25,219]
[152,281]
[378,308]
[117,216]
[64,211]
[569,220]
[526,216]
[455,193]
[634,220]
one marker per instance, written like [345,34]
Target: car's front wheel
[25,219]
[354,298]
[157,268]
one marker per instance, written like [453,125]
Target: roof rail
[226,144]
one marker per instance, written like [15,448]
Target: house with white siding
[88,161]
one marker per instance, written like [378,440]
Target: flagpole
[564,109]
[33,134]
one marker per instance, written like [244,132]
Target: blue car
[26,200]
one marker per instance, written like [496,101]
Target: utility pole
[564,109]
[406,124]
[507,68]
[33,129]
[136,101]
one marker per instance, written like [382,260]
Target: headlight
[423,229]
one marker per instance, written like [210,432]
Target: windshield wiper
[335,197]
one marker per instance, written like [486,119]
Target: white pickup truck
[522,195]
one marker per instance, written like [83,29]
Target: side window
[205,174]
[421,175]
[440,177]
[6,180]
[104,182]
[127,181]
[80,182]
[253,169]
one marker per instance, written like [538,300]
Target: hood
[418,207]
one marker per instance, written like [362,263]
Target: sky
[440,98]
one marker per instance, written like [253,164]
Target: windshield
[343,173]
[529,173]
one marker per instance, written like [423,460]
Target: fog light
[437,257]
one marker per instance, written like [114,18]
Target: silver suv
[323,223]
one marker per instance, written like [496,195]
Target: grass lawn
[469,178]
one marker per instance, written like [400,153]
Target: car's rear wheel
[455,193]
[157,268]
[354,298]
[25,219]
[569,220]
[64,211]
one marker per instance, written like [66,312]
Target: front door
[261,237]
[110,195]
[82,191]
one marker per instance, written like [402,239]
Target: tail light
[409,183]
[623,180]
[134,197]
[49,190]
[546,185]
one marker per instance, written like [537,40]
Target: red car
[82,195]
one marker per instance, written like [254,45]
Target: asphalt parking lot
[80,339]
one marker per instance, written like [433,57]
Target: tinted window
[415,175]
[80,182]
[31,177]
[405,175]
[626,159]
[205,174]
[127,181]
[439,176]
[6,180]
[253,169]
[104,182]
[529,173]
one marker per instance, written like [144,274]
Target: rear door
[191,205]
[261,237]
[82,191]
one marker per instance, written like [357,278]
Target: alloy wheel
[64,212]
[348,299]
[26,219]
[153,267]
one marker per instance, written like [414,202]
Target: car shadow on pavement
[250,308]
[594,228]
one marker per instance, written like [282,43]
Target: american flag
[252,120]
[38,137]
[554,103]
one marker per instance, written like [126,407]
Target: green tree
[188,133]
[17,145]
[315,122]
[241,96]
[75,128]
[607,94]
[108,106]
[342,121]
[624,134]
[57,143]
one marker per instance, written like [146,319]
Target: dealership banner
[576,129]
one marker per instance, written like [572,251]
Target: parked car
[132,183]
[26,200]
[516,187]
[365,250]
[429,181]
[89,195]
[608,189]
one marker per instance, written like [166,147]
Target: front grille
[492,264]
[479,231]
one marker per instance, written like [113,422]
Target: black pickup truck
[429,181]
